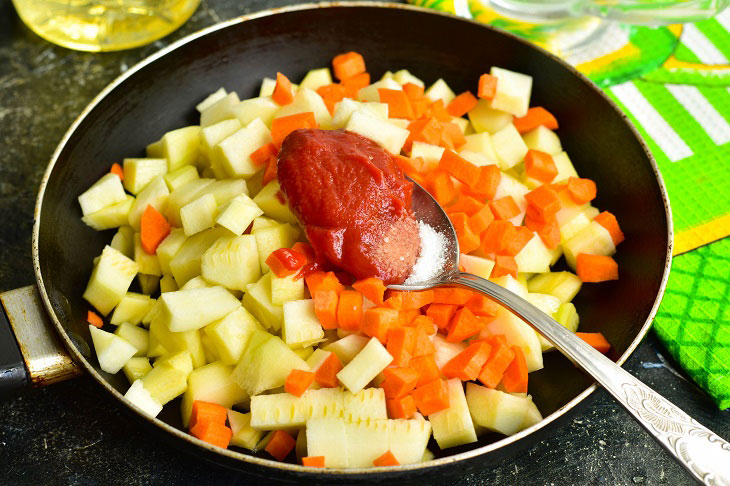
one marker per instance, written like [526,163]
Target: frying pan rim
[79,358]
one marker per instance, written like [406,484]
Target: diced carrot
[608,221]
[437,110]
[348,65]
[462,104]
[405,317]
[285,261]
[331,94]
[409,300]
[355,83]
[497,236]
[261,156]
[153,229]
[487,86]
[400,345]
[517,242]
[451,136]
[399,382]
[596,268]
[280,445]
[465,204]
[582,191]
[442,187]
[298,381]
[549,233]
[432,397]
[376,322]
[481,220]
[504,208]
[413,91]
[544,200]
[481,305]
[325,308]
[408,165]
[467,364]
[427,130]
[489,179]
[420,106]
[283,126]
[399,106]
[427,368]
[271,170]
[313,461]
[515,376]
[540,165]
[94,319]
[213,433]
[372,288]
[206,412]
[425,324]
[504,265]
[282,94]
[387,459]
[459,168]
[463,325]
[117,169]
[468,239]
[596,340]
[441,313]
[306,250]
[500,357]
[423,345]
[349,310]
[451,295]
[536,116]
[401,408]
[326,374]
[323,281]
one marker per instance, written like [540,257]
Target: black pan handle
[13,373]
[31,352]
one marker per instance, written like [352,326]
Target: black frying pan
[160,93]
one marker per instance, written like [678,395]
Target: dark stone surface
[74,433]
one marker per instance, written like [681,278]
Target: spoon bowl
[704,454]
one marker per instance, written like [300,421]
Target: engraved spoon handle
[702,452]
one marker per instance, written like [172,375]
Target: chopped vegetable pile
[263,348]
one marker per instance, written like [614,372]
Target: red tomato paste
[353,202]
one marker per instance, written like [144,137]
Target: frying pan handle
[30,350]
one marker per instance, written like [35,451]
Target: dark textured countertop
[74,433]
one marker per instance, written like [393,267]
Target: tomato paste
[353,202]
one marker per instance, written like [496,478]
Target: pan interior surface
[161,96]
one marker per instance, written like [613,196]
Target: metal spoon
[703,453]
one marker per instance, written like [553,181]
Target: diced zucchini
[565,168]
[257,300]
[141,398]
[513,91]
[187,310]
[307,100]
[262,108]
[110,280]
[567,316]
[304,353]
[211,99]
[139,172]
[243,434]
[149,284]
[112,351]
[168,378]
[220,110]
[211,383]
[175,342]
[103,193]
[132,308]
[146,264]
[518,333]
[168,284]
[404,77]
[543,139]
[480,143]
[387,135]
[370,92]
[109,217]
[272,202]
[479,266]
[431,154]
[226,189]
[272,238]
[549,305]
[496,410]
[136,336]
[233,152]
[534,257]
[168,248]
[136,368]
[265,364]
[453,426]
[232,261]
[445,350]
[301,327]
[370,361]
[123,241]
[316,78]
[212,135]
[182,196]
[285,289]
[229,335]
[199,214]
[186,262]
[563,285]
[181,147]
[238,214]
[594,239]
[440,91]
[533,415]
[196,283]
[509,147]
[484,118]
[180,176]
[347,347]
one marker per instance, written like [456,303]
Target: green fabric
[676,90]
[693,321]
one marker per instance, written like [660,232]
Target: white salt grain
[432,257]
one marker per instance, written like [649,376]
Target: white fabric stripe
[701,110]
[701,46]
[655,126]
[724,18]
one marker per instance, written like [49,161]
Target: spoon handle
[702,452]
